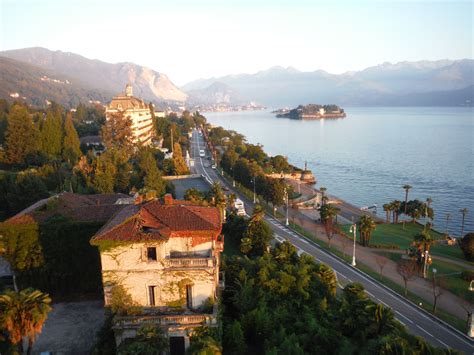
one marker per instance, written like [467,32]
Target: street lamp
[425,264]
[254,195]
[353,229]
[286,200]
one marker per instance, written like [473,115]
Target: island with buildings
[311,112]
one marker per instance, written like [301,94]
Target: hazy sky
[192,39]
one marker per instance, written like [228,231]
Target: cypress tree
[151,174]
[20,135]
[180,167]
[71,144]
[51,134]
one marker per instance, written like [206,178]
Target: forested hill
[37,86]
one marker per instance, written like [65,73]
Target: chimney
[168,199]
[128,90]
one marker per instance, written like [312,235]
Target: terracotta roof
[79,208]
[159,221]
[123,103]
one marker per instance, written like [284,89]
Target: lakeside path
[367,256]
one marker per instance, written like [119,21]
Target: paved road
[417,321]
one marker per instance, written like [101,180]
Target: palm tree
[406,188]
[23,315]
[464,212]
[328,212]
[423,243]
[448,216]
[323,190]
[396,210]
[366,227]
[387,208]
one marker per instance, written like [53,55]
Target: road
[416,320]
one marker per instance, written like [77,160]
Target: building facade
[137,111]
[166,256]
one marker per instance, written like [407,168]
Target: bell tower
[128,90]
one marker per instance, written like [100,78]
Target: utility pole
[353,229]
[286,200]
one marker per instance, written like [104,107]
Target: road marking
[401,315]
[370,294]
[425,331]
[401,322]
[443,343]
[348,269]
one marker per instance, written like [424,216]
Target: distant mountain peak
[150,84]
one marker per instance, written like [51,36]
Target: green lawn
[395,235]
[448,273]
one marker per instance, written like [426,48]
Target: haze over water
[367,157]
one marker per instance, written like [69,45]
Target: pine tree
[104,176]
[180,167]
[71,144]
[21,136]
[151,174]
[51,134]
[117,133]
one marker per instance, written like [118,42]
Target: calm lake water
[368,156]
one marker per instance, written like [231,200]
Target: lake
[368,156]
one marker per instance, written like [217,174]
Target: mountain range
[434,83]
[108,78]
[38,74]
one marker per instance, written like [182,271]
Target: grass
[456,322]
[394,234]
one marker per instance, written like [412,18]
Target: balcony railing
[165,320]
[189,262]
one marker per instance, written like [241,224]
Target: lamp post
[254,195]
[286,200]
[425,264]
[353,229]
[470,318]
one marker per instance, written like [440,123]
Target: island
[311,112]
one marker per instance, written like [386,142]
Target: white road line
[370,294]
[425,331]
[401,315]
[443,343]
[401,322]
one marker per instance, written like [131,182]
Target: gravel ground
[71,328]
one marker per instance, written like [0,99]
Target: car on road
[213,166]
[202,153]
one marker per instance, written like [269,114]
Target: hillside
[36,86]
[147,83]
[442,82]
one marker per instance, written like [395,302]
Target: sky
[187,40]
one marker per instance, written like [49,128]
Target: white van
[202,153]
[239,207]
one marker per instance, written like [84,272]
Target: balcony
[134,322]
[189,263]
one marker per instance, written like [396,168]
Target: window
[189,296]
[151,254]
[151,295]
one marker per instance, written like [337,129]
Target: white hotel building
[137,111]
